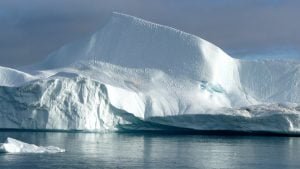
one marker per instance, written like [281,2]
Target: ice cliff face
[56,103]
[138,75]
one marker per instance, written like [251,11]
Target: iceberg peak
[132,42]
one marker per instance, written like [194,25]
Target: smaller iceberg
[15,146]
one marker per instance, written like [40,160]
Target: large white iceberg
[137,75]
[16,146]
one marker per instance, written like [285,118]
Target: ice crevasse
[136,75]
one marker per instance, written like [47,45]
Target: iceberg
[16,146]
[135,75]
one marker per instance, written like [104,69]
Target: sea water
[154,150]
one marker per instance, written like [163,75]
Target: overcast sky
[31,29]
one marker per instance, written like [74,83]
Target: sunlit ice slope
[137,75]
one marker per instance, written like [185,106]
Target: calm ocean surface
[118,150]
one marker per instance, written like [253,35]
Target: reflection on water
[112,150]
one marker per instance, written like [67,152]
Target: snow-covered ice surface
[16,146]
[137,75]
